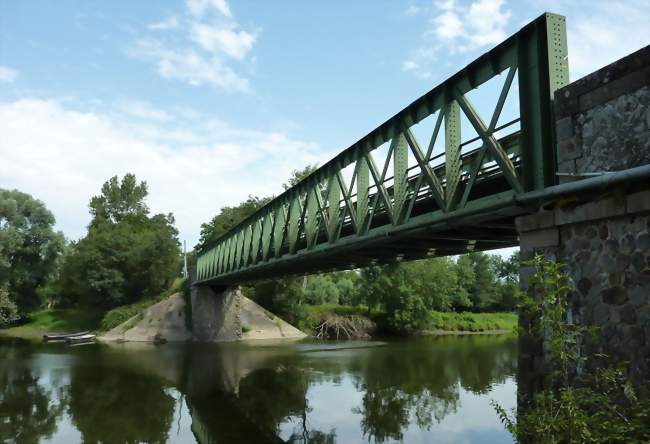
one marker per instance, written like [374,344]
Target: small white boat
[62,336]
[80,338]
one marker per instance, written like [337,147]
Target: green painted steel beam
[322,218]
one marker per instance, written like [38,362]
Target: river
[424,390]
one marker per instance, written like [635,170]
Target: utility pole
[185,274]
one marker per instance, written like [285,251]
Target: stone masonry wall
[605,245]
[603,119]
[603,237]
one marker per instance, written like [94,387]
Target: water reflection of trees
[28,411]
[421,381]
[112,405]
[415,381]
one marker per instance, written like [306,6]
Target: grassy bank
[51,320]
[80,319]
[440,322]
[473,322]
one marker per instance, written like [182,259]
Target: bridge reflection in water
[428,390]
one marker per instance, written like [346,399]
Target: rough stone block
[564,128]
[568,149]
[638,202]
[600,209]
[539,220]
[628,314]
[549,237]
[614,295]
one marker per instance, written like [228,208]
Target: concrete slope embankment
[166,321]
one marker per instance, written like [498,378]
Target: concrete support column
[216,313]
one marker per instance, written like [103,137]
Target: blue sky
[212,100]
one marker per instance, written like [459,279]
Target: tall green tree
[127,254]
[480,285]
[29,247]
[227,218]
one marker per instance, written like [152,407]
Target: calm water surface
[427,390]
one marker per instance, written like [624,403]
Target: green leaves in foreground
[597,404]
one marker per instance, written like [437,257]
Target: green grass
[473,322]
[56,320]
[440,321]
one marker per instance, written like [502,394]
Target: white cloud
[409,65]
[143,110]
[188,65]
[597,39]
[7,75]
[169,23]
[460,28]
[411,10]
[193,167]
[483,23]
[448,25]
[195,50]
[199,8]
[217,39]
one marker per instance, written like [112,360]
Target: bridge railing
[353,198]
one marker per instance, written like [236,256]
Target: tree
[507,272]
[126,255]
[120,201]
[481,283]
[227,218]
[8,309]
[29,247]
[437,281]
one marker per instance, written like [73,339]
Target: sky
[210,101]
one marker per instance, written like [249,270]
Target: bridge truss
[388,197]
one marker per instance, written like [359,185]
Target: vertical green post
[255,242]
[452,153]
[312,216]
[333,209]
[363,181]
[294,222]
[278,232]
[400,182]
[267,234]
[543,68]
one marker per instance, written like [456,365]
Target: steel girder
[381,213]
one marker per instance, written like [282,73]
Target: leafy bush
[598,404]
[474,322]
[8,309]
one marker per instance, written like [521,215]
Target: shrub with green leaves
[597,404]
[8,309]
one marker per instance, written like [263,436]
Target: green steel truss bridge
[404,192]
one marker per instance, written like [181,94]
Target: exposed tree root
[334,326]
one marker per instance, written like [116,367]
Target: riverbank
[55,320]
[441,323]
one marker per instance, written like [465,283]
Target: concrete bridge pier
[601,233]
[216,313]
